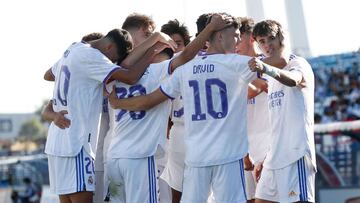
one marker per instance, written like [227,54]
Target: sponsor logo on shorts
[292,193]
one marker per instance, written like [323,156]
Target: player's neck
[278,60]
[249,52]
[214,50]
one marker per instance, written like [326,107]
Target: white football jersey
[214,91]
[79,78]
[291,117]
[137,134]
[259,128]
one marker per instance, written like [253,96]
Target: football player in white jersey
[214,90]
[173,169]
[288,172]
[79,78]
[136,137]
[140,27]
[257,112]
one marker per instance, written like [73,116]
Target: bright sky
[35,33]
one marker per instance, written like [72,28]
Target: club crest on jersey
[90,180]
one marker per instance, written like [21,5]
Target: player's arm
[49,76]
[134,72]
[58,118]
[137,103]
[288,78]
[258,169]
[256,87]
[217,22]
[140,50]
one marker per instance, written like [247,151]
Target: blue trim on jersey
[108,76]
[172,98]
[292,56]
[169,66]
[242,175]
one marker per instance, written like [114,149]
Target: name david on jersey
[203,68]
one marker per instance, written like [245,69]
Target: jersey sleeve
[171,86]
[302,66]
[243,68]
[100,68]
[161,71]
[55,68]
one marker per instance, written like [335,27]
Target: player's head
[270,37]
[202,21]
[165,54]
[140,27]
[201,24]
[116,45]
[179,33]
[246,30]
[92,36]
[227,39]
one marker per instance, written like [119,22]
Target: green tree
[32,129]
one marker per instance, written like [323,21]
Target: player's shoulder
[295,60]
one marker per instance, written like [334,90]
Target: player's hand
[157,48]
[166,39]
[256,65]
[113,98]
[219,22]
[248,165]
[261,84]
[258,169]
[60,120]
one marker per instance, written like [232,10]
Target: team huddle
[141,116]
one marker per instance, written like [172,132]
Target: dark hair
[201,22]
[123,41]
[174,27]
[267,27]
[168,51]
[92,36]
[137,21]
[247,25]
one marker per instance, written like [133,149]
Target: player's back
[79,75]
[214,89]
[138,134]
